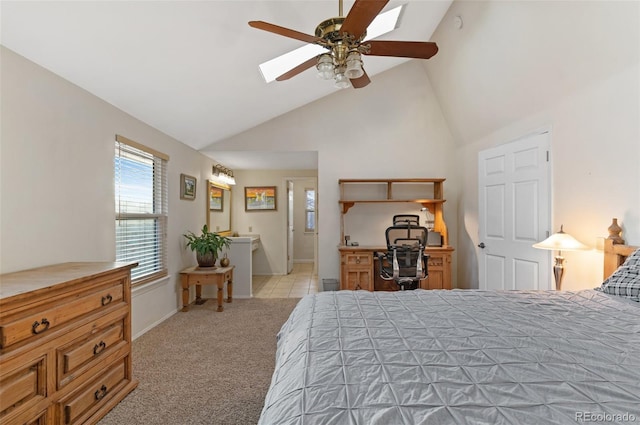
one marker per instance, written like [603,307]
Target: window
[141,209]
[310,210]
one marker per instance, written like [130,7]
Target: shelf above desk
[427,203]
[427,192]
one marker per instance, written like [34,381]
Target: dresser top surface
[16,283]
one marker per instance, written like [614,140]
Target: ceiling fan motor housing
[329,30]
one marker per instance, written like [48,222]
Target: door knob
[481,245]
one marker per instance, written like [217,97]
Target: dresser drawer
[435,261]
[358,259]
[27,418]
[23,386]
[208,279]
[84,402]
[58,313]
[83,353]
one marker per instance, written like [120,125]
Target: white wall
[569,66]
[392,128]
[56,181]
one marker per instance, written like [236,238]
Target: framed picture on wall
[216,201]
[260,198]
[187,187]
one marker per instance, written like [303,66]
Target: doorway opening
[301,223]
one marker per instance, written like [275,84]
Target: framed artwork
[187,187]
[260,198]
[216,200]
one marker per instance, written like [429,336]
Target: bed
[461,356]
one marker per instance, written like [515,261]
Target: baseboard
[154,324]
[138,291]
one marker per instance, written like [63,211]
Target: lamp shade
[561,241]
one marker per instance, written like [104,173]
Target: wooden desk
[206,276]
[358,268]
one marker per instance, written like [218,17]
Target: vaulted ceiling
[188,68]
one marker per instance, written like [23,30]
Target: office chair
[404,262]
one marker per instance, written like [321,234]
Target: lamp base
[558,270]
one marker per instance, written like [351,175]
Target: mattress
[457,357]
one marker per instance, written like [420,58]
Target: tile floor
[300,282]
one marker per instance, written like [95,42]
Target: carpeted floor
[204,367]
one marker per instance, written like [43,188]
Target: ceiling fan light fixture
[354,65]
[325,67]
[341,80]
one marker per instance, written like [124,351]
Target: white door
[290,228]
[514,213]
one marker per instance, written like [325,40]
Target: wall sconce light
[223,174]
[560,241]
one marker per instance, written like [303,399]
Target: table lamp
[560,241]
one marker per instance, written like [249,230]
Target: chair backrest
[406,235]
[404,262]
[406,220]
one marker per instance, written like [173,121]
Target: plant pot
[206,260]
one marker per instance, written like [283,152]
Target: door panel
[494,218]
[525,274]
[526,212]
[495,272]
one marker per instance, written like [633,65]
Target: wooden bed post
[614,249]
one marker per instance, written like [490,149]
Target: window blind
[141,206]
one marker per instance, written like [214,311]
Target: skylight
[382,24]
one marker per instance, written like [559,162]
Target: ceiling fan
[343,37]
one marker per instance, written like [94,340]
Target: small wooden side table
[206,276]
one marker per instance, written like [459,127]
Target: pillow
[633,260]
[625,282]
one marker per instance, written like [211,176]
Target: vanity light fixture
[223,174]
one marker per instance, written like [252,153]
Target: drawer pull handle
[99,394]
[358,260]
[44,322]
[99,348]
[107,299]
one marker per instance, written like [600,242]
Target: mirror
[219,208]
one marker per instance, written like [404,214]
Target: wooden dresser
[65,343]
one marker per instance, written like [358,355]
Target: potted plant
[207,246]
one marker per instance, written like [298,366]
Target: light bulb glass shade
[325,67]
[561,241]
[354,65]
[342,82]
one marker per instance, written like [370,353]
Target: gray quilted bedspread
[457,357]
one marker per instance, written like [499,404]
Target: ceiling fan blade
[298,69]
[276,29]
[405,49]
[362,13]
[361,82]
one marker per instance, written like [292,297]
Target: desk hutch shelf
[426,192]
[357,265]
